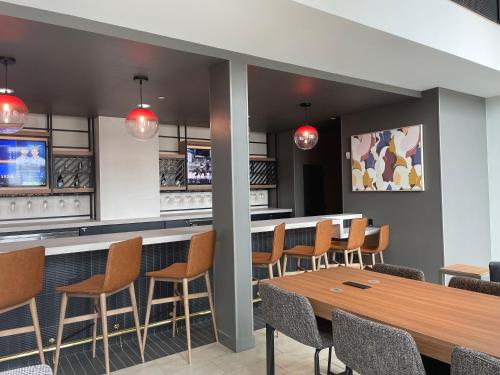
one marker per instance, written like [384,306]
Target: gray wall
[415,218]
[464,178]
[493,138]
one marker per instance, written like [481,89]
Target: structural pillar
[231,207]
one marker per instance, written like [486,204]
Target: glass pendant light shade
[306,137]
[13,113]
[142,123]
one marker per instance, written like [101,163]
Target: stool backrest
[357,233]
[278,242]
[475,285]
[123,264]
[466,362]
[21,275]
[372,348]
[323,238]
[291,314]
[201,253]
[400,271]
[383,238]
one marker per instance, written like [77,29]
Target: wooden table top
[439,318]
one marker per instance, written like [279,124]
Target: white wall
[493,131]
[127,172]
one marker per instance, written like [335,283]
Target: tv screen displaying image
[23,162]
[199,166]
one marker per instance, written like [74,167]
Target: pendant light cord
[140,90]
[6,82]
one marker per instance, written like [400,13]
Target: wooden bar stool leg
[211,304]
[278,266]
[133,301]
[104,323]
[360,258]
[185,297]
[346,258]
[285,258]
[270,270]
[148,311]
[62,314]
[95,310]
[174,312]
[36,325]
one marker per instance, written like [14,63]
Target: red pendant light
[306,136]
[141,122]
[13,111]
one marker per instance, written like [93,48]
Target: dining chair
[269,259]
[379,247]
[372,348]
[400,271]
[475,285]
[354,242]
[495,271]
[293,315]
[466,362]
[323,236]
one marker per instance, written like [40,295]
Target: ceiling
[72,72]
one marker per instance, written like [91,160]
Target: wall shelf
[73,190]
[172,188]
[60,151]
[25,191]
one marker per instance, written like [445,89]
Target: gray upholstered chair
[374,349]
[466,362]
[31,370]
[495,271]
[400,271]
[293,315]
[475,285]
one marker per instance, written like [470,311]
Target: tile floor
[215,359]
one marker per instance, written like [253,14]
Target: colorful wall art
[388,160]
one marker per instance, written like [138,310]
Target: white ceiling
[292,33]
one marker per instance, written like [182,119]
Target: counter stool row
[21,279]
[323,245]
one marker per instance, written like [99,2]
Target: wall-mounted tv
[199,165]
[23,162]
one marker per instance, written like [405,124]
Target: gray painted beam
[231,211]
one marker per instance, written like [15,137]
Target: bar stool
[21,279]
[200,260]
[323,237]
[379,247]
[122,268]
[353,243]
[265,259]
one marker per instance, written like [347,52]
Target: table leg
[270,349]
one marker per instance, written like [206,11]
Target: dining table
[438,317]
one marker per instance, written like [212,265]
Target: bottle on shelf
[76,181]
[163,180]
[60,181]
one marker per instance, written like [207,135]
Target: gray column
[231,211]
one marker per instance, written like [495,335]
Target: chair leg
[329,368]
[285,258]
[381,258]
[148,311]
[360,259]
[104,323]
[278,266]
[211,304]
[270,270]
[95,303]
[36,325]
[269,350]
[327,263]
[316,362]
[313,261]
[373,259]
[351,258]
[346,258]
[62,315]
[185,297]
[174,313]
[133,301]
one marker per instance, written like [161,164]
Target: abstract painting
[388,160]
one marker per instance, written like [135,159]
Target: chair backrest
[475,285]
[123,264]
[495,271]
[21,275]
[323,237]
[374,349]
[201,253]
[383,238]
[278,242]
[291,314]
[466,362]
[400,271]
[357,233]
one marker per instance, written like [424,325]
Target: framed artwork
[388,160]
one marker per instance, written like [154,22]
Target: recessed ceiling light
[333,118]
[161,97]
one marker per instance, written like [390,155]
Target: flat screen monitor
[199,165]
[23,162]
